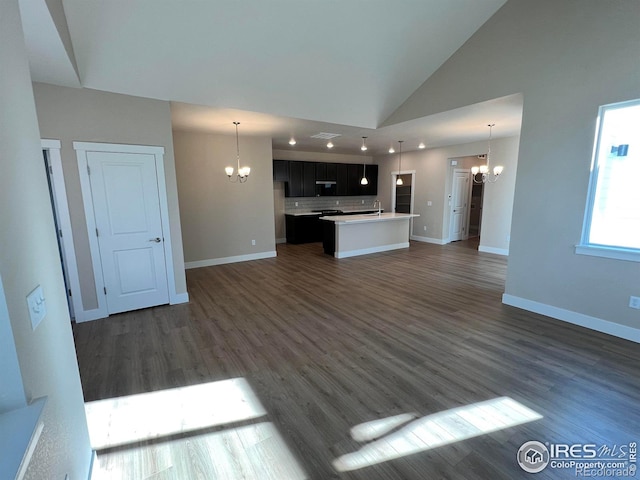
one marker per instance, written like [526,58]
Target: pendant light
[399,178]
[363,180]
[484,169]
[243,173]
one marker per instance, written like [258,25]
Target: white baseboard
[90,315]
[179,298]
[234,259]
[437,241]
[366,251]
[497,251]
[593,323]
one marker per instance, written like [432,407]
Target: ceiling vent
[326,136]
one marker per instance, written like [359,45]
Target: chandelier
[243,173]
[485,169]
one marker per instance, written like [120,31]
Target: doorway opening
[403,194]
[475,210]
[59,233]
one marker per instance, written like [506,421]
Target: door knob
[157,240]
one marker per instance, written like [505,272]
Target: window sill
[609,252]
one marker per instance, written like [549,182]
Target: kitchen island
[351,235]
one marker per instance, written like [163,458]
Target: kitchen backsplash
[306,204]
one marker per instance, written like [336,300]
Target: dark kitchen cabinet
[300,178]
[326,172]
[309,180]
[321,171]
[342,179]
[372,176]
[295,185]
[280,171]
[303,228]
[354,174]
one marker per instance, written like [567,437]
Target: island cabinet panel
[342,179]
[309,182]
[280,171]
[295,185]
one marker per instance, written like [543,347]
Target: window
[612,218]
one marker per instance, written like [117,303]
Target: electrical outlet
[634,302]
[425,228]
[296,204]
[429,203]
[337,202]
[253,242]
[362,202]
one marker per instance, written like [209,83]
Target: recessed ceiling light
[292,141]
[421,145]
[392,150]
[330,144]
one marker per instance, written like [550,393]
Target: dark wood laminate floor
[327,344]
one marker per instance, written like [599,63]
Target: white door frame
[394,177]
[81,149]
[64,224]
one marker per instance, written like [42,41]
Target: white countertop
[369,217]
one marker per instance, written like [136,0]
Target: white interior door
[459,205]
[124,190]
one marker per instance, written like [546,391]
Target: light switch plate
[37,306]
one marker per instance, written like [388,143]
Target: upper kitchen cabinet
[342,179]
[372,176]
[295,185]
[326,172]
[300,178]
[354,174]
[280,171]
[309,179]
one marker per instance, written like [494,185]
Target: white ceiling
[280,67]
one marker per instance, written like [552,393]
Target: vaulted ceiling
[281,67]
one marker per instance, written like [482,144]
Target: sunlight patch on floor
[122,420]
[252,452]
[437,430]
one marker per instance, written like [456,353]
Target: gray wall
[567,58]
[71,114]
[28,257]
[433,179]
[220,218]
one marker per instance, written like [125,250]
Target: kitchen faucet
[377,202]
